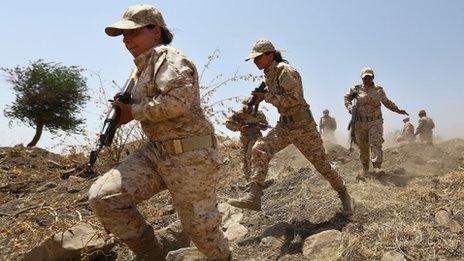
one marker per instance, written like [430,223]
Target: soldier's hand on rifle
[403,112]
[259,96]
[350,108]
[126,113]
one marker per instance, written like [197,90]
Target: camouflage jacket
[369,101]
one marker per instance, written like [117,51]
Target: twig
[79,215]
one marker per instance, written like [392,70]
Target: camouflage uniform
[369,122]
[295,126]
[250,126]
[180,156]
[407,135]
[327,127]
[425,128]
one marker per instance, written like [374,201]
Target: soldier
[327,127]
[425,128]
[295,126]
[369,122]
[180,154]
[250,126]
[407,135]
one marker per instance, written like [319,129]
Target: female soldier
[369,122]
[295,126]
[181,152]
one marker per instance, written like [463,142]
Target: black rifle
[252,104]
[109,126]
[261,126]
[351,125]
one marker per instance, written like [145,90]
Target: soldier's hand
[403,112]
[126,113]
[350,108]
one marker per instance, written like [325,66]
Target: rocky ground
[413,211]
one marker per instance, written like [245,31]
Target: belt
[299,116]
[367,119]
[178,146]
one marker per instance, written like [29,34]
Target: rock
[392,256]
[399,171]
[172,237]
[46,186]
[74,184]
[69,245]
[270,242]
[169,209]
[444,217]
[186,254]
[231,218]
[326,245]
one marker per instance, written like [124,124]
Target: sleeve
[232,123]
[349,96]
[176,81]
[387,102]
[290,82]
[420,126]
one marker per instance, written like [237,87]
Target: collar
[271,69]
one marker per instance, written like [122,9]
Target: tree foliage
[48,95]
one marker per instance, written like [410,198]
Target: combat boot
[252,200]
[347,203]
[146,247]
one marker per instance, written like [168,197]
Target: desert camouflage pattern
[369,133]
[250,131]
[407,134]
[425,129]
[166,101]
[327,127]
[166,97]
[285,91]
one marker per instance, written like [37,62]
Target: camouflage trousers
[247,145]
[306,138]
[426,137]
[369,138]
[328,136]
[191,179]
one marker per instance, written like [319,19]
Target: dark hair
[278,57]
[166,35]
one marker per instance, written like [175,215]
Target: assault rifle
[252,104]
[351,125]
[109,126]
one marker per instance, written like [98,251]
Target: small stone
[169,209]
[46,186]
[392,256]
[186,254]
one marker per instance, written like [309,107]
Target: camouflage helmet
[422,112]
[406,119]
[136,16]
[326,111]
[261,46]
[367,72]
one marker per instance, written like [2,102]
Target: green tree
[48,95]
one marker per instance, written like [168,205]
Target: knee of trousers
[106,195]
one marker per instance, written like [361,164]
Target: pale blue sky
[415,48]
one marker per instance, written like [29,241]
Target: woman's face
[141,39]
[264,60]
[368,80]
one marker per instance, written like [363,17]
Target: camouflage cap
[367,71]
[136,16]
[261,46]
[326,111]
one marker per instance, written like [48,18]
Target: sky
[415,48]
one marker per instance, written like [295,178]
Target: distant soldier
[327,127]
[407,135]
[369,122]
[425,128]
[250,126]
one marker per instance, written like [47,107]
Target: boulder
[326,245]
